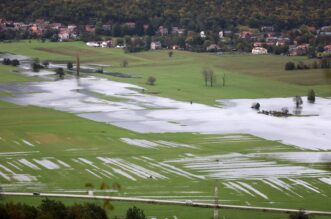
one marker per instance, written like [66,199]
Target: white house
[259,51]
[93,44]
[202,34]
[156,45]
[221,34]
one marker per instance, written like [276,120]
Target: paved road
[164,202]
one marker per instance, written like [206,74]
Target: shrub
[59,72]
[70,66]
[311,96]
[256,106]
[6,61]
[285,110]
[46,63]
[315,65]
[299,215]
[125,63]
[301,65]
[15,62]
[135,213]
[36,66]
[289,66]
[325,63]
[151,80]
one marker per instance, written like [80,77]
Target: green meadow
[61,152]
[180,77]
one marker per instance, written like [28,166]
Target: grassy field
[47,150]
[62,136]
[180,77]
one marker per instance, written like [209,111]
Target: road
[165,202]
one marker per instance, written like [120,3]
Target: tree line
[191,14]
[51,209]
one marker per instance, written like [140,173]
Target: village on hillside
[305,40]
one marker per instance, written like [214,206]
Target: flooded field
[139,112]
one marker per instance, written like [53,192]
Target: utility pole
[216,213]
[77,64]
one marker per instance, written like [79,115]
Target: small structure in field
[259,51]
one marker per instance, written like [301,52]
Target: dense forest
[191,14]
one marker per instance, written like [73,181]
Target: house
[175,47]
[327,48]
[36,29]
[156,45]
[259,51]
[130,25]
[106,27]
[162,31]
[90,28]
[227,33]
[245,34]
[72,28]
[177,31]
[298,50]
[106,44]
[221,34]
[64,34]
[267,29]
[55,26]
[261,44]
[213,48]
[93,44]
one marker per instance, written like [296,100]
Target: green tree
[151,80]
[70,66]
[15,62]
[135,213]
[311,96]
[59,72]
[52,209]
[116,30]
[289,66]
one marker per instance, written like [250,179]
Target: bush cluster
[323,63]
[13,62]
[52,209]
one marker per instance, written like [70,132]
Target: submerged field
[46,150]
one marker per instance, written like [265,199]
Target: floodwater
[145,113]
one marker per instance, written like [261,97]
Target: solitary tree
[70,66]
[151,80]
[60,72]
[46,63]
[223,80]
[15,62]
[36,65]
[135,213]
[289,66]
[209,76]
[311,96]
[106,203]
[205,74]
[125,63]
[298,101]
[6,61]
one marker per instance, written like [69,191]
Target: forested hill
[193,14]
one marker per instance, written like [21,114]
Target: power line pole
[216,213]
[77,64]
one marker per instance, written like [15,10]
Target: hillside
[194,14]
